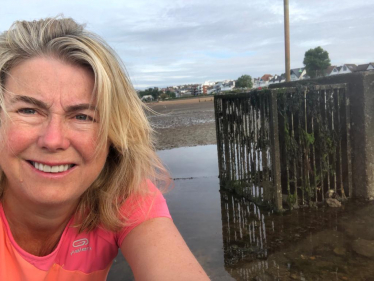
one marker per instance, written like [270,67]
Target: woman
[77,164]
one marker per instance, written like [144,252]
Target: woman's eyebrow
[43,105]
[79,107]
[27,99]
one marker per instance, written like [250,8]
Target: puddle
[235,240]
[187,162]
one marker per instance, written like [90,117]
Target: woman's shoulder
[139,208]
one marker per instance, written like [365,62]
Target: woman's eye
[27,111]
[83,117]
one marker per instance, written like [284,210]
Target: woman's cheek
[19,139]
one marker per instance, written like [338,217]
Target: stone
[340,251]
[330,193]
[333,203]
[264,277]
[364,247]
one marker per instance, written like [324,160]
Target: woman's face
[48,140]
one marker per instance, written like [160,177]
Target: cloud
[169,42]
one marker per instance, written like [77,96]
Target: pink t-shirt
[78,256]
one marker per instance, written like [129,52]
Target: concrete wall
[361,96]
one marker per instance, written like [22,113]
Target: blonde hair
[132,158]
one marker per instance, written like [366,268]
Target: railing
[289,144]
[243,142]
[314,143]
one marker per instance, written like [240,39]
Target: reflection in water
[244,229]
[187,162]
[244,236]
[306,244]
[234,239]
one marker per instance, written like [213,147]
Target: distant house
[365,67]
[347,68]
[209,83]
[331,70]
[196,89]
[298,74]
[274,79]
[282,78]
[277,79]
[224,86]
[264,81]
[208,89]
[256,82]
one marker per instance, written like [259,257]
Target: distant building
[331,70]
[298,74]
[256,82]
[365,67]
[209,83]
[264,80]
[196,89]
[210,90]
[224,86]
[347,68]
[277,79]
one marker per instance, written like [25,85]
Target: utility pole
[287,40]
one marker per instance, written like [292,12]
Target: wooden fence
[287,147]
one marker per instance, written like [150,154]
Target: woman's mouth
[51,169]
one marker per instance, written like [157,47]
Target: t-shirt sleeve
[141,208]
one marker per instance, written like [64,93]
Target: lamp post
[287,40]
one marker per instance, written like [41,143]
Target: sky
[173,42]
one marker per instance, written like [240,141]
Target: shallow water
[234,240]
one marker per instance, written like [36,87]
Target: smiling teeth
[51,169]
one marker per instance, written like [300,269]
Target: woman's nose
[54,135]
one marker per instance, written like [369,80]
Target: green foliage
[163,96]
[299,145]
[291,200]
[244,81]
[316,61]
[171,95]
[154,92]
[308,139]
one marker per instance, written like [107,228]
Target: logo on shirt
[80,244]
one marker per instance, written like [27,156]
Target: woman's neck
[37,229]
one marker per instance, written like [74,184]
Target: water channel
[235,240]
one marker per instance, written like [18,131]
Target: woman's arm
[155,250]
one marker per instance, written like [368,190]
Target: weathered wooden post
[275,152]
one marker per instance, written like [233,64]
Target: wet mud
[182,123]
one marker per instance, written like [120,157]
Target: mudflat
[183,122]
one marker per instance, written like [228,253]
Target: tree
[316,61]
[154,92]
[172,95]
[163,96]
[244,81]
